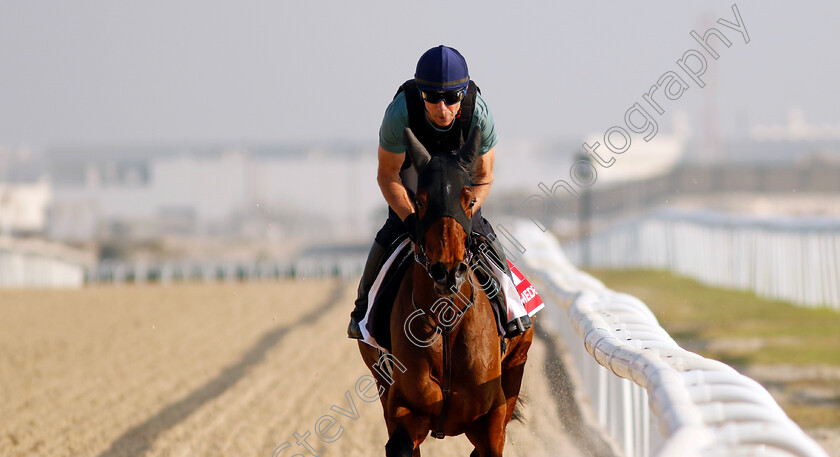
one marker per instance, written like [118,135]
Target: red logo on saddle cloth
[530,298]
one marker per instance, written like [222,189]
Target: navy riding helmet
[442,69]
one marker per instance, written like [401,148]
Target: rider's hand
[410,223]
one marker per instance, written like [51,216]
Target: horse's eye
[472,203]
[419,204]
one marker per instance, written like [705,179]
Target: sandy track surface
[211,370]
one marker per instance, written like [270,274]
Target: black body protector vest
[434,140]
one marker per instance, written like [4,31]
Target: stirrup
[518,326]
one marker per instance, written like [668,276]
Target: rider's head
[442,77]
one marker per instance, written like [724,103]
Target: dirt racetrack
[210,370]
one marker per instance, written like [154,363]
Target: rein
[443,177]
[444,328]
[446,335]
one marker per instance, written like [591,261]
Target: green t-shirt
[396,120]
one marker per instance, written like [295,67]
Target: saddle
[376,325]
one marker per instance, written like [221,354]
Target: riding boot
[375,257]
[518,325]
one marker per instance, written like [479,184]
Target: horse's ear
[469,151]
[417,153]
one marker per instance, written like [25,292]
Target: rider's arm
[483,176]
[388,177]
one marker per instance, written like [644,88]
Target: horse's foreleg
[399,444]
[371,357]
[407,431]
[511,383]
[513,368]
[487,434]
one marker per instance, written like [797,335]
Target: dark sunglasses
[450,97]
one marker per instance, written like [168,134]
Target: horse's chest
[474,380]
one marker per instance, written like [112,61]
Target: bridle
[463,220]
[421,258]
[443,177]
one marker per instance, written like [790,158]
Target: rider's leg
[520,321]
[374,259]
[388,234]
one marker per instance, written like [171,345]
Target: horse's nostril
[438,272]
[462,269]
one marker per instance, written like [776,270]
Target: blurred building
[328,191]
[796,129]
[227,192]
[23,207]
[643,159]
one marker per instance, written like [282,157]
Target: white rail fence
[167,272]
[797,260]
[32,263]
[40,265]
[635,375]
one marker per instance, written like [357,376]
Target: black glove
[410,223]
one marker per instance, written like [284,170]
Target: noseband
[423,259]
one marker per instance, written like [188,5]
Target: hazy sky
[271,71]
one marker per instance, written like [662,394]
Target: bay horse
[452,372]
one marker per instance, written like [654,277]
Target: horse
[452,373]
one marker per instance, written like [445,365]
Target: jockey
[441,105]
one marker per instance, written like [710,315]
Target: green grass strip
[770,331]
[742,329]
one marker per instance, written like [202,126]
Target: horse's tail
[518,415]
